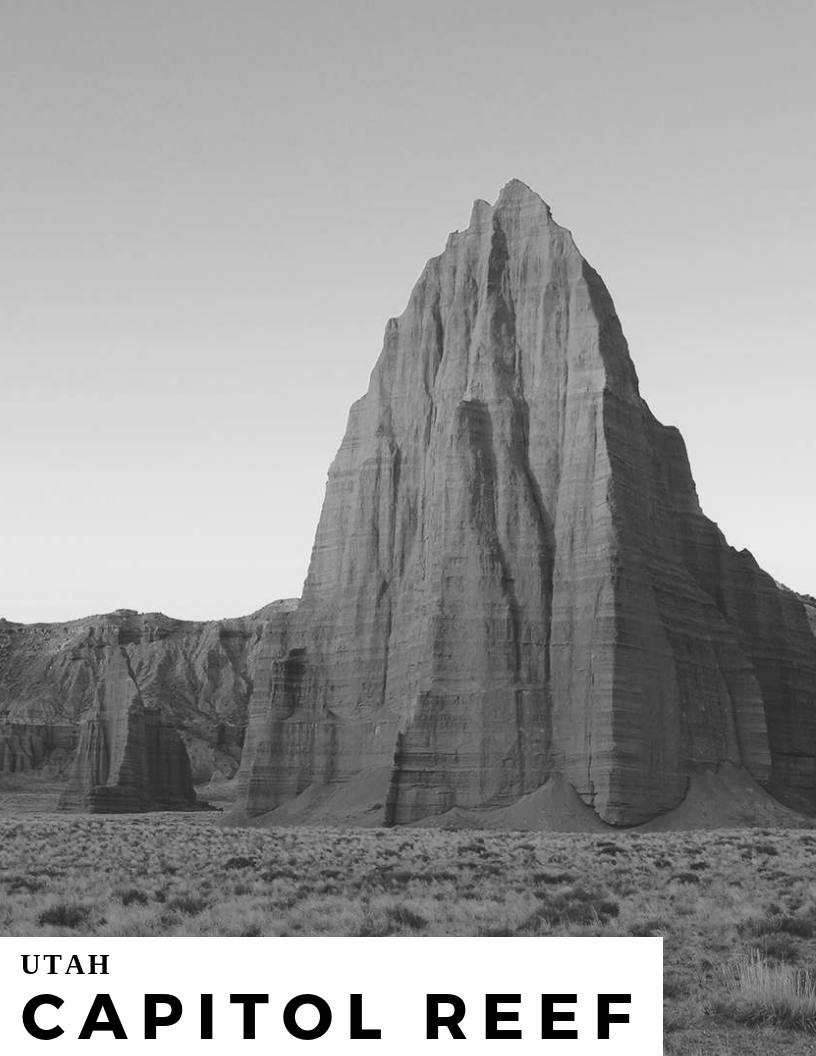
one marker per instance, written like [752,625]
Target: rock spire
[512,579]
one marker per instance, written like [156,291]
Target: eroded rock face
[25,747]
[128,758]
[135,706]
[512,578]
[810,608]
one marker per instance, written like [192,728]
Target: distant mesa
[516,613]
[131,709]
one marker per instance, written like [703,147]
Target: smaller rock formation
[128,759]
[137,707]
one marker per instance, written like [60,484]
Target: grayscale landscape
[736,908]
[529,688]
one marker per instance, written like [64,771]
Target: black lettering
[323,1023]
[74,966]
[103,963]
[151,1017]
[206,1017]
[52,958]
[433,1020]
[249,1001]
[605,1017]
[493,1017]
[26,969]
[103,1003]
[549,1017]
[358,1031]
[30,1023]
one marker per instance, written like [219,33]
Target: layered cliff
[810,608]
[133,707]
[512,579]
[35,746]
[128,759]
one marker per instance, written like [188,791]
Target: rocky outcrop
[810,609]
[25,747]
[512,580]
[128,758]
[134,706]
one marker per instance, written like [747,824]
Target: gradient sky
[210,209]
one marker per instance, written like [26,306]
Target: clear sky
[210,209]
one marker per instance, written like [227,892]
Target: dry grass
[737,909]
[757,992]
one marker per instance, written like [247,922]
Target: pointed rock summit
[512,580]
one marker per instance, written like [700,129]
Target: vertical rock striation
[512,577]
[32,746]
[128,759]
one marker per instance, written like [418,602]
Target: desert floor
[736,908]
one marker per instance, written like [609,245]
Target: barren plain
[736,908]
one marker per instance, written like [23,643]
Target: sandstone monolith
[512,579]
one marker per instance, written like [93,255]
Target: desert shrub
[763,847]
[584,906]
[801,926]
[623,886]
[239,862]
[756,992]
[403,917]
[397,875]
[273,873]
[31,884]
[65,915]
[645,928]
[686,878]
[554,878]
[189,905]
[372,925]
[50,872]
[133,896]
[575,905]
[776,948]
[476,846]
